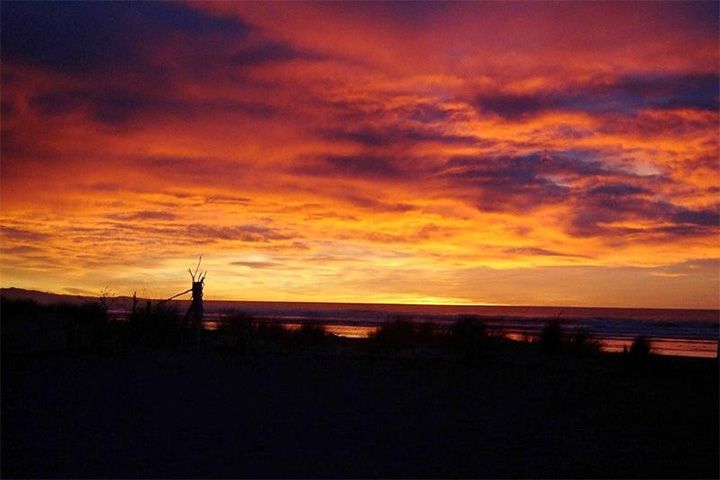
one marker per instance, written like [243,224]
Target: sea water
[672,331]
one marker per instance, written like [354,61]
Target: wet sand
[345,411]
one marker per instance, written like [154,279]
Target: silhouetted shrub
[17,309]
[582,342]
[469,336]
[61,325]
[94,316]
[271,331]
[428,333]
[397,333]
[84,325]
[158,326]
[20,320]
[641,348]
[550,340]
[240,326]
[309,334]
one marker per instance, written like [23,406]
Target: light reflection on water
[350,331]
[661,346]
[346,331]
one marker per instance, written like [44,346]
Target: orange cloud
[455,152]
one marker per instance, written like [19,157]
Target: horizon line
[470,305]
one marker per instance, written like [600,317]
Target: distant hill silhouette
[45,298]
[116,303]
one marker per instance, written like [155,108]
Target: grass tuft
[551,340]
[396,333]
[469,336]
[582,342]
[641,348]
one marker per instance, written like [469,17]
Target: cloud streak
[627,95]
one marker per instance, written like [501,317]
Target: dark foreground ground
[348,413]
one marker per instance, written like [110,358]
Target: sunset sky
[471,153]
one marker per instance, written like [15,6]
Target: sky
[541,153]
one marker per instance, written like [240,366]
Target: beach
[344,409]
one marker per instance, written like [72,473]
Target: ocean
[692,333]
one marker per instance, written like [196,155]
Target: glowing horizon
[434,153]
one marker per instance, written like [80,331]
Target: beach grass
[257,400]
